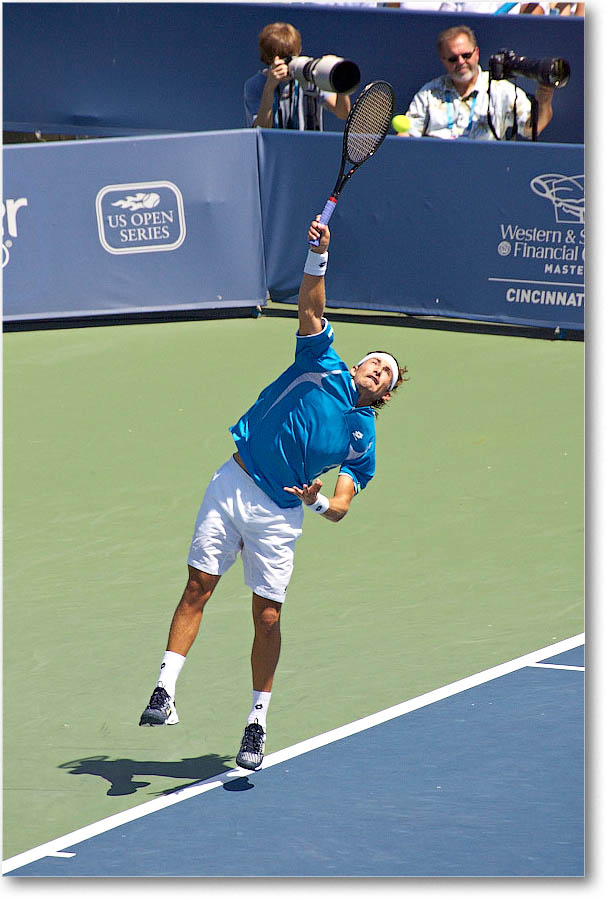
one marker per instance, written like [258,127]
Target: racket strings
[369,122]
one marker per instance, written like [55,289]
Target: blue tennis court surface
[486,782]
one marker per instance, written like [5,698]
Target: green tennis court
[465,551]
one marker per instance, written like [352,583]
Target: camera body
[551,71]
[327,73]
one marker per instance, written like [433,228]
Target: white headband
[392,362]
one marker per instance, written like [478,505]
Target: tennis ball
[150,200]
[401,124]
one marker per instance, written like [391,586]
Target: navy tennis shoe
[160,710]
[251,754]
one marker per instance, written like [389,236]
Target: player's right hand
[308,493]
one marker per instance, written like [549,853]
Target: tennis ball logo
[149,201]
[401,124]
[139,201]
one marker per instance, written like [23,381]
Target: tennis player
[318,415]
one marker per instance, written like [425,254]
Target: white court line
[529,281]
[554,666]
[54,847]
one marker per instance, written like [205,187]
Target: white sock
[170,668]
[259,708]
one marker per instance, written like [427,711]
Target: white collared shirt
[438,110]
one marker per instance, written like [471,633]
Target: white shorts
[237,516]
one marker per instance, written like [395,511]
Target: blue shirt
[289,103]
[306,423]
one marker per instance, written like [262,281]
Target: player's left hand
[307,493]
[321,233]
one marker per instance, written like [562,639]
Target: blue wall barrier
[124,68]
[462,229]
[492,232]
[122,225]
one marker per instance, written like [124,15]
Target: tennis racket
[366,127]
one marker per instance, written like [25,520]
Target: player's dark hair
[381,404]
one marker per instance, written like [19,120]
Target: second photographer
[276,98]
[463,104]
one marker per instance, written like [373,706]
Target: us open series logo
[140,218]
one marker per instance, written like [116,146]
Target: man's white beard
[463,77]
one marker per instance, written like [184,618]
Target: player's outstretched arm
[338,505]
[311,299]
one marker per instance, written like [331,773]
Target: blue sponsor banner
[459,229]
[132,225]
[538,267]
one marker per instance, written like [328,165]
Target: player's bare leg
[264,658]
[182,633]
[188,614]
[266,642]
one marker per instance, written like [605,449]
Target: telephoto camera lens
[327,73]
[552,71]
[559,73]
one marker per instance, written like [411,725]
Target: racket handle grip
[328,211]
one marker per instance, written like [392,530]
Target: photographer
[275,99]
[456,105]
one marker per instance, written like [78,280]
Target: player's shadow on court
[120,773]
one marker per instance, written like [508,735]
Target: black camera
[327,73]
[552,71]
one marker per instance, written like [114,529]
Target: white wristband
[320,505]
[316,263]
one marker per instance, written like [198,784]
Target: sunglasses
[453,59]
